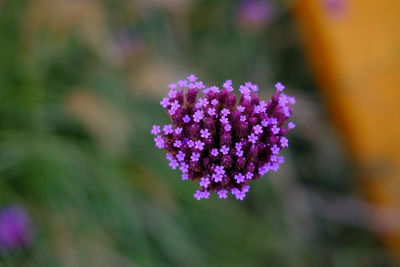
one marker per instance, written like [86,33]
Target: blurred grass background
[80,83]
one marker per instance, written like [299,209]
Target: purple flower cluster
[222,140]
[16,229]
[255,14]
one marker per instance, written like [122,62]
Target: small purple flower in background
[16,230]
[335,8]
[255,15]
[222,140]
[125,46]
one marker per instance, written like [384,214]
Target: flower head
[222,140]
[255,14]
[16,229]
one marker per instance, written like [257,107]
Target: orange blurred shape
[354,48]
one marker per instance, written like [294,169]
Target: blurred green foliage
[80,83]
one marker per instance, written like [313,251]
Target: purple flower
[204,182]
[239,178]
[202,102]
[249,175]
[16,229]
[264,169]
[165,102]
[244,90]
[155,130]
[214,102]
[172,93]
[198,195]
[255,14]
[238,146]
[279,86]
[182,83]
[180,156]
[275,129]
[223,140]
[175,105]
[169,156]
[178,130]
[195,156]
[284,142]
[224,120]
[225,112]
[200,85]
[160,143]
[186,118]
[252,86]
[168,129]
[253,138]
[177,143]
[184,168]
[257,129]
[205,133]
[211,111]
[214,89]
[214,152]
[259,109]
[273,121]
[239,194]
[222,193]
[199,145]
[217,177]
[173,86]
[275,149]
[198,116]
[335,8]
[228,86]
[192,78]
[190,143]
[201,194]
[239,153]
[224,150]
[219,170]
[173,164]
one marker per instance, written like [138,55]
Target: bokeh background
[80,85]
